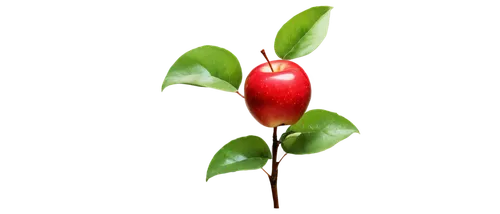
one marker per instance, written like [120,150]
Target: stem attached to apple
[273,179]
[265,55]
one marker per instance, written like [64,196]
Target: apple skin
[279,97]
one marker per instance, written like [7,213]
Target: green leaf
[206,66]
[316,131]
[286,131]
[303,33]
[245,153]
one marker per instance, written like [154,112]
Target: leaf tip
[204,179]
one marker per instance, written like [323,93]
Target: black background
[185,125]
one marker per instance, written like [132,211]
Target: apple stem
[240,94]
[273,179]
[265,55]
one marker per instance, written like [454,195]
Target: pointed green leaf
[206,66]
[303,33]
[316,131]
[245,153]
[286,131]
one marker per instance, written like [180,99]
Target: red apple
[279,97]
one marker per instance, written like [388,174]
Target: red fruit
[279,97]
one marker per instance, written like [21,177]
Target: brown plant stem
[265,55]
[273,179]
[265,173]
[283,158]
[240,94]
